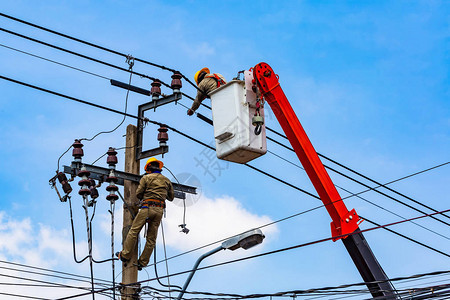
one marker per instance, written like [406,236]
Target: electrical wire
[49,275]
[54,61]
[364,199]
[153,122]
[282,250]
[102,48]
[167,267]
[186,107]
[190,137]
[53,271]
[23,296]
[296,292]
[342,174]
[165,68]
[124,116]
[131,63]
[80,55]
[363,176]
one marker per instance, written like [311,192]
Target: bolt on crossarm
[343,221]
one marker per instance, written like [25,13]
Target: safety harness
[219,80]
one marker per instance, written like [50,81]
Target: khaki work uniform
[154,188]
[206,86]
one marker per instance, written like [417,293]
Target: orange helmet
[153,160]
[198,74]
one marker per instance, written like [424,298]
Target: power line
[98,47]
[48,275]
[80,55]
[171,128]
[365,177]
[263,171]
[268,137]
[364,199]
[172,70]
[53,271]
[23,296]
[277,251]
[55,62]
[338,172]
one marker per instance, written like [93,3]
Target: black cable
[124,116]
[82,55]
[48,275]
[153,122]
[156,270]
[296,292]
[379,184]
[59,158]
[68,97]
[115,128]
[55,62]
[282,250]
[73,235]
[23,296]
[43,281]
[53,271]
[364,199]
[365,177]
[81,41]
[342,174]
[189,81]
[101,48]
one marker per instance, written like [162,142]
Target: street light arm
[197,263]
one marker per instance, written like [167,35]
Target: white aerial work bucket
[233,107]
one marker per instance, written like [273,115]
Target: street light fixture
[245,240]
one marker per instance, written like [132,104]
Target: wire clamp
[130,61]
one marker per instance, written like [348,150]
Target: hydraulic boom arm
[343,221]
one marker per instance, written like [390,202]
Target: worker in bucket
[206,82]
[153,190]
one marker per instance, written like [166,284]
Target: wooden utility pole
[130,271]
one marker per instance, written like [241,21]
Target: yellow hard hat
[152,159]
[198,74]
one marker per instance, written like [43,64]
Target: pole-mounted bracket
[156,102]
[155,93]
[100,174]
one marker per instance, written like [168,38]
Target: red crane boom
[343,221]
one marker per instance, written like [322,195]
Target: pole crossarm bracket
[156,102]
[100,174]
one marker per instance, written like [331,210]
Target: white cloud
[37,245]
[211,220]
[208,220]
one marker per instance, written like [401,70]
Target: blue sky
[369,82]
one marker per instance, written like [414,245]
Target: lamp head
[245,240]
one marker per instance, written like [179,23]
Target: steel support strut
[343,221]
